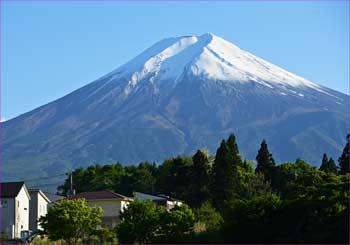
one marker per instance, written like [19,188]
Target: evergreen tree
[332,167]
[344,158]
[233,148]
[328,165]
[227,171]
[199,187]
[266,163]
[221,172]
[324,161]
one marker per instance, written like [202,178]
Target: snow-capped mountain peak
[207,56]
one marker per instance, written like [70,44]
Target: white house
[37,207]
[111,203]
[161,200]
[14,209]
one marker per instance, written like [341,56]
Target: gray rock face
[180,95]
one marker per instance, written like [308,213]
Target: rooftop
[98,195]
[10,189]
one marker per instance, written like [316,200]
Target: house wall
[21,213]
[38,208]
[111,210]
[42,208]
[7,211]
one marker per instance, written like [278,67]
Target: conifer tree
[233,148]
[199,187]
[226,172]
[324,161]
[328,165]
[222,172]
[332,167]
[266,163]
[344,158]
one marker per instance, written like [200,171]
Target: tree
[227,172]
[199,186]
[324,160]
[174,177]
[242,218]
[344,158]
[70,220]
[176,224]
[207,215]
[139,222]
[104,235]
[266,163]
[144,222]
[233,148]
[223,172]
[328,165]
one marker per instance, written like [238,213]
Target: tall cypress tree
[223,172]
[266,163]
[199,187]
[226,172]
[233,148]
[324,161]
[344,158]
[328,165]
[332,167]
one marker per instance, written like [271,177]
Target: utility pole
[71,191]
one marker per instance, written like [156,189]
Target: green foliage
[144,222]
[328,165]
[3,237]
[200,177]
[70,220]
[233,149]
[103,235]
[310,221]
[176,224]
[266,163]
[343,160]
[228,172]
[174,177]
[244,217]
[140,222]
[285,203]
[114,177]
[208,217]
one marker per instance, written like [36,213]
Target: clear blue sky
[49,49]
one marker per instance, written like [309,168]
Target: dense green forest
[233,200]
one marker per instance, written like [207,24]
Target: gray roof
[53,197]
[144,196]
[95,195]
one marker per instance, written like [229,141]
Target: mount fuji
[179,95]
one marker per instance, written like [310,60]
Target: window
[3,204]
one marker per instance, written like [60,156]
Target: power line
[43,185]
[44,178]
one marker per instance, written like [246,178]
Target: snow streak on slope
[208,56]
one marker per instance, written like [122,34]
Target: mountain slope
[179,95]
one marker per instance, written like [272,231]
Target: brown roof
[94,195]
[10,189]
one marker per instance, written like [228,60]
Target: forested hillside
[237,201]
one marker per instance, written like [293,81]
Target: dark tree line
[278,203]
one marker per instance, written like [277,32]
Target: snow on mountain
[208,56]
